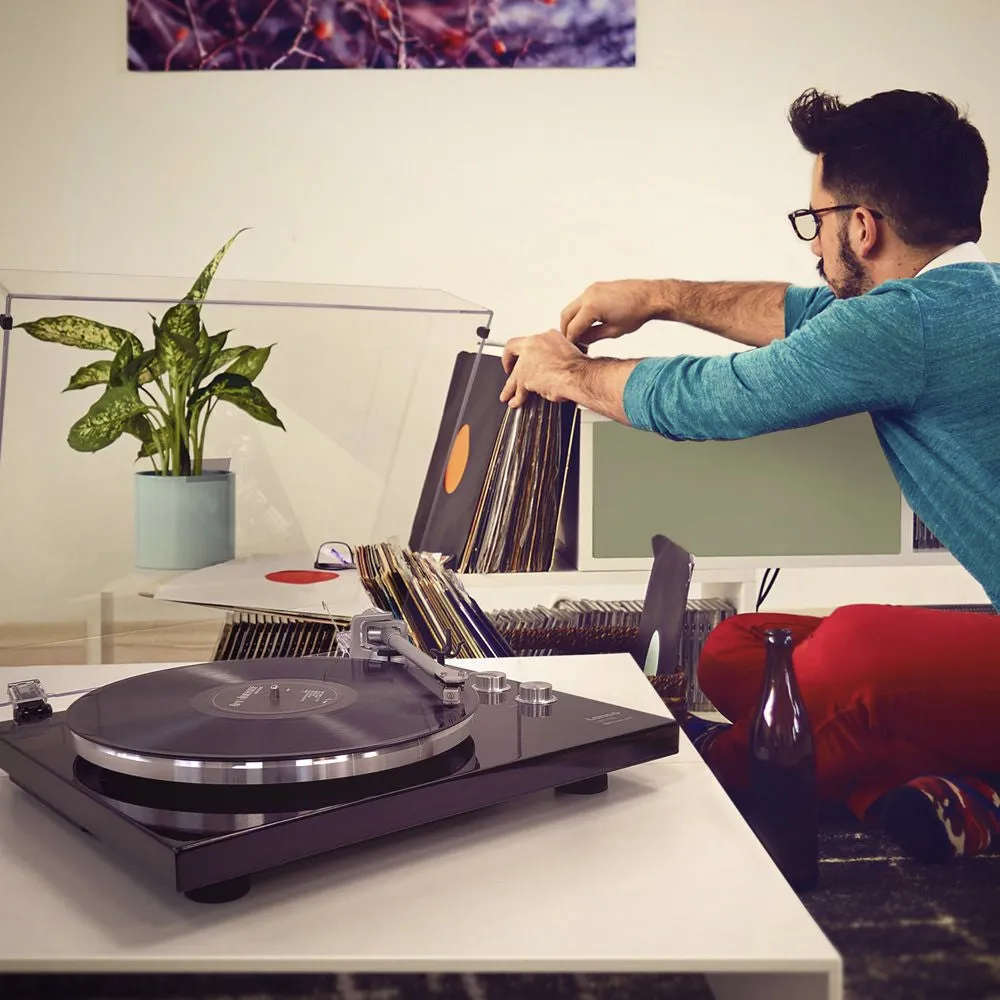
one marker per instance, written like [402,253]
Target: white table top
[243,583]
[659,873]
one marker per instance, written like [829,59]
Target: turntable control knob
[275,693]
[535,693]
[490,681]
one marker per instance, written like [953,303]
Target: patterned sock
[935,819]
[701,732]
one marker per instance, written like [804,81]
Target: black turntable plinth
[204,775]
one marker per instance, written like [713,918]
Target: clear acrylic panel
[358,376]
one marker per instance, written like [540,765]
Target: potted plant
[164,396]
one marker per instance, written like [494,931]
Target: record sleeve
[455,476]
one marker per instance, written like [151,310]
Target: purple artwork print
[175,35]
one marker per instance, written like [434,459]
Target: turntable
[204,775]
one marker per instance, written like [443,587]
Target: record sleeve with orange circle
[457,469]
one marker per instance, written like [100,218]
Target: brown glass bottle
[783,800]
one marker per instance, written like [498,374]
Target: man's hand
[549,365]
[610,309]
[544,364]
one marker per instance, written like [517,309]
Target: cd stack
[253,635]
[609,627]
[570,627]
[703,614]
[493,496]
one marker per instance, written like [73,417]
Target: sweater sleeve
[801,304]
[860,354]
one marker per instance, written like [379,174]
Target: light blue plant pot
[184,522]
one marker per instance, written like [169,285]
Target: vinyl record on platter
[456,473]
[280,719]
[657,645]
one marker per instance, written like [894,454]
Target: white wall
[513,189]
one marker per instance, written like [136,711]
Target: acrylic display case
[357,375]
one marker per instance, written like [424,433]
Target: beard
[855,279]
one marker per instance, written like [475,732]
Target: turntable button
[535,693]
[489,681]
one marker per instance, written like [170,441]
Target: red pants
[892,692]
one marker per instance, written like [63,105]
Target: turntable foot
[589,786]
[220,892]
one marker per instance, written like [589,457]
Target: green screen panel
[820,490]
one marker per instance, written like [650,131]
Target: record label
[274,698]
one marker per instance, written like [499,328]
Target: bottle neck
[781,711]
[779,687]
[778,660]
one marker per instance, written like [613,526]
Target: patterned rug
[906,932]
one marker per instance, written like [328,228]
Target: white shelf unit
[734,577]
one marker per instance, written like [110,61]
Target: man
[904,701]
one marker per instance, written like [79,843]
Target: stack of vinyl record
[495,485]
[420,590]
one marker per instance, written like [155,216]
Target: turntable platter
[209,810]
[252,722]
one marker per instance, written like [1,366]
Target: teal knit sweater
[921,355]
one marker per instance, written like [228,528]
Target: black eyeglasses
[334,555]
[805,221]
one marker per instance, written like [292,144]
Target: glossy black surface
[226,710]
[189,837]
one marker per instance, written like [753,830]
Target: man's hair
[912,156]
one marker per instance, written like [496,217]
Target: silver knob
[534,711]
[490,681]
[275,693]
[535,693]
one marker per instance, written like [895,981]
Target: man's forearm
[748,312]
[598,384]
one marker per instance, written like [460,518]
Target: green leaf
[141,427]
[242,393]
[106,420]
[153,440]
[130,348]
[137,345]
[176,353]
[184,318]
[229,355]
[152,370]
[218,341]
[96,373]
[76,331]
[200,288]
[250,362]
[140,369]
[210,355]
